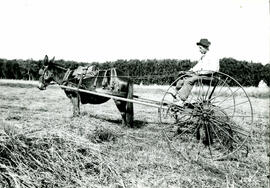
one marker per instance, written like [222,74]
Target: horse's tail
[129,105]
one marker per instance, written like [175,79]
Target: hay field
[42,146]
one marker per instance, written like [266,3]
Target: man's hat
[204,42]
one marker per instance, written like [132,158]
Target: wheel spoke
[209,140]
[197,90]
[169,127]
[221,87]
[230,106]
[234,127]
[221,144]
[209,88]
[224,131]
[184,116]
[228,96]
[181,110]
[217,102]
[232,116]
[197,101]
[199,144]
[201,86]
[190,101]
[192,96]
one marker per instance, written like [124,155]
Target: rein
[137,77]
[60,67]
[66,78]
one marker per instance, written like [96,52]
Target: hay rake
[214,122]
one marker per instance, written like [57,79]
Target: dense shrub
[266,74]
[247,74]
[145,71]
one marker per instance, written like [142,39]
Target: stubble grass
[47,147]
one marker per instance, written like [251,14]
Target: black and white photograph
[134,93]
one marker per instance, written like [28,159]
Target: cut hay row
[51,158]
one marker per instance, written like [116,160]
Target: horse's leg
[126,108]
[75,100]
[129,106]
[121,105]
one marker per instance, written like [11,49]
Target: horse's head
[46,73]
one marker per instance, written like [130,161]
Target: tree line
[151,71]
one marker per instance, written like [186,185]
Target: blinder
[47,75]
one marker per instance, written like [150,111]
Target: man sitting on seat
[206,64]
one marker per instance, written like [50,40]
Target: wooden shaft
[147,100]
[112,96]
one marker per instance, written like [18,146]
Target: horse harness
[88,72]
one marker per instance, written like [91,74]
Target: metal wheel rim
[245,96]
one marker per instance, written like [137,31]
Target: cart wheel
[214,122]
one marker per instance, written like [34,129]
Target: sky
[107,30]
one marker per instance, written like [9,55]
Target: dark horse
[110,81]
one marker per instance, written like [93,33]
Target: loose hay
[50,158]
[101,134]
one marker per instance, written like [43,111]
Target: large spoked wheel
[215,120]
